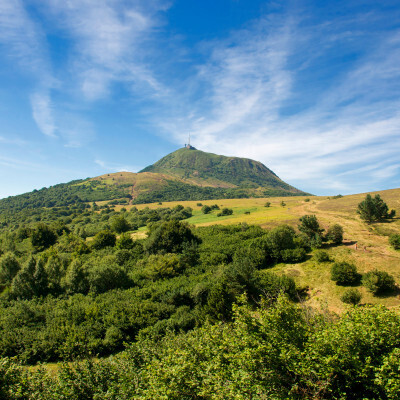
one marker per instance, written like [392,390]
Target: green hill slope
[206,169]
[186,174]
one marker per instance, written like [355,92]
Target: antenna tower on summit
[189,146]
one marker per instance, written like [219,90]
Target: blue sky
[309,88]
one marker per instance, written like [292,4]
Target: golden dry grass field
[373,249]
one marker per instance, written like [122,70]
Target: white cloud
[110,39]
[252,79]
[42,113]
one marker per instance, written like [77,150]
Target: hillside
[182,175]
[206,169]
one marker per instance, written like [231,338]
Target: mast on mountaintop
[189,146]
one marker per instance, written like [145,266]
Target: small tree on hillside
[374,209]
[310,226]
[120,224]
[206,209]
[344,273]
[394,240]
[351,296]
[103,239]
[43,237]
[378,281]
[335,233]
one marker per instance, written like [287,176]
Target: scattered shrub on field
[321,256]
[225,211]
[351,296]
[394,240]
[335,234]
[378,281]
[344,273]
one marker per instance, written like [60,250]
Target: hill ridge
[185,174]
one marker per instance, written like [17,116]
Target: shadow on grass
[356,282]
[388,293]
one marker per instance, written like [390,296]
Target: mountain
[206,169]
[185,174]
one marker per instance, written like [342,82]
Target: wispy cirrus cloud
[110,42]
[42,113]
[256,102]
[25,42]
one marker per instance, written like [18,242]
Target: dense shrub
[206,209]
[169,237]
[378,281]
[125,242]
[351,296]
[374,209]
[225,211]
[103,239]
[394,240]
[344,273]
[335,234]
[309,225]
[119,224]
[321,256]
[9,267]
[43,237]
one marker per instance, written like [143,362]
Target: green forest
[185,313]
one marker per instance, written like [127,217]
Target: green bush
[120,224]
[169,237]
[335,234]
[125,242]
[351,296]
[206,209]
[309,225]
[103,239]
[225,211]
[267,204]
[344,273]
[394,240]
[43,237]
[378,281]
[321,256]
[374,209]
[293,255]
[9,267]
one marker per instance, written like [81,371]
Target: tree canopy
[374,209]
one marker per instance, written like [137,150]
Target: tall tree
[374,209]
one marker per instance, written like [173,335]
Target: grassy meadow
[364,245]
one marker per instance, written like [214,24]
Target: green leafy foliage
[378,282]
[351,296]
[119,224]
[344,273]
[335,234]
[282,351]
[43,237]
[225,211]
[374,209]
[206,209]
[394,240]
[9,267]
[321,256]
[309,225]
[103,239]
[169,237]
